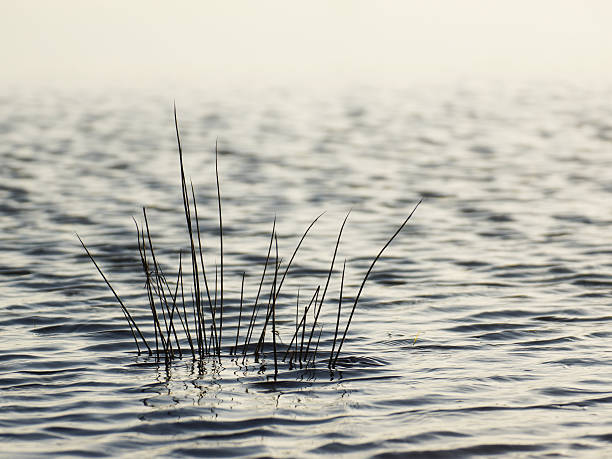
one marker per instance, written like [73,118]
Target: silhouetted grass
[171,317]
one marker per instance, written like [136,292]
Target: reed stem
[366,278]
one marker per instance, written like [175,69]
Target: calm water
[484,330]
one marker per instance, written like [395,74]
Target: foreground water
[484,330]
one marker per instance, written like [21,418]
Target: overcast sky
[130,42]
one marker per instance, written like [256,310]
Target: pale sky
[133,42]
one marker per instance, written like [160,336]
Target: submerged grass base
[194,326]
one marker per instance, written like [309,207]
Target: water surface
[484,330]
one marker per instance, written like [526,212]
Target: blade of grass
[151,296]
[186,324]
[255,306]
[304,326]
[239,314]
[214,313]
[145,268]
[160,292]
[220,247]
[297,248]
[315,295]
[331,268]
[295,252]
[262,337]
[174,297]
[331,354]
[366,278]
[194,262]
[274,310]
[203,266]
[126,313]
[314,354]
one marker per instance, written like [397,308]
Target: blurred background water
[484,330]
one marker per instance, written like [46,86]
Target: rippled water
[484,330]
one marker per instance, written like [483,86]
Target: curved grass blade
[366,278]
[126,313]
[331,268]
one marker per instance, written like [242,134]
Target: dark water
[484,330]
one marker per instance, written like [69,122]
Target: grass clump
[194,326]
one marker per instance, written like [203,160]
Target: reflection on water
[483,330]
